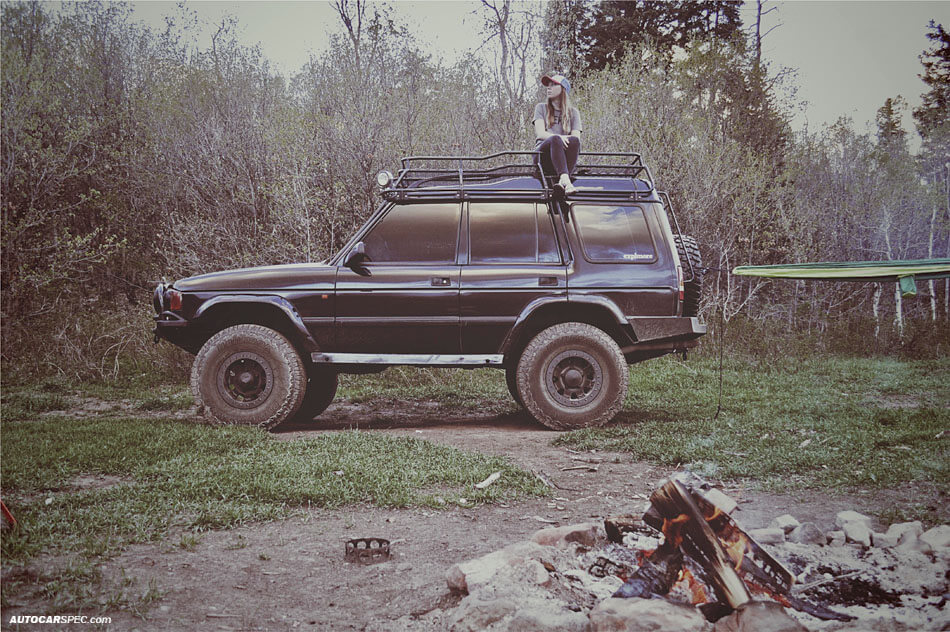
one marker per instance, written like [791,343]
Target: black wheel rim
[245,380]
[574,378]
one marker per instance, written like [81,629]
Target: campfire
[706,556]
[686,564]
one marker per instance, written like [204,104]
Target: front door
[404,298]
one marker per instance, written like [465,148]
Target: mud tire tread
[289,385]
[587,338]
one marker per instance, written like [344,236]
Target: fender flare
[279,302]
[533,306]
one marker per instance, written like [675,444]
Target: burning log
[656,575]
[675,504]
[730,561]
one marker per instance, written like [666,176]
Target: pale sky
[849,55]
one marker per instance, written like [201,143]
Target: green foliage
[129,156]
[614,27]
[829,423]
[176,475]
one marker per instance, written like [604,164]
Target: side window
[415,233]
[547,242]
[614,234]
[511,232]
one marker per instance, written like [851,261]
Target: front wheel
[248,375]
[572,375]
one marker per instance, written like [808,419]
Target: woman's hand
[566,140]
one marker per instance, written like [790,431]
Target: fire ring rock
[642,615]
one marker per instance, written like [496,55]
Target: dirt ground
[291,575]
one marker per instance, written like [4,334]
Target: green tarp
[904,272]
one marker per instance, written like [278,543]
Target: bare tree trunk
[876,309]
[930,255]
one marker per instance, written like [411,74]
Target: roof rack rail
[508,173]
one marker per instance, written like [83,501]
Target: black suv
[469,262]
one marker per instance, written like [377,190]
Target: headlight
[158,298]
[384,179]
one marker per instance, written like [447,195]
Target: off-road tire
[572,375]
[511,379]
[688,250]
[248,375]
[321,389]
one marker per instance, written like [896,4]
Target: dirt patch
[85,482]
[291,575]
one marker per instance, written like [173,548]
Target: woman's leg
[572,152]
[553,147]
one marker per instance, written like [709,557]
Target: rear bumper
[665,332]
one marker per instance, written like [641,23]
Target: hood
[294,276]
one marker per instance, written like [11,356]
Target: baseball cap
[560,80]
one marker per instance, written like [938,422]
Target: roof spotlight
[384,179]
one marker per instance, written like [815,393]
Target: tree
[561,36]
[614,26]
[933,125]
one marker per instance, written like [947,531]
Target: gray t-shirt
[541,112]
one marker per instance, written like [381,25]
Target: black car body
[462,266]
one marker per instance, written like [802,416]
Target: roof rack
[517,175]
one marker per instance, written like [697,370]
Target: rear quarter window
[614,234]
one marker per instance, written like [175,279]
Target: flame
[697,592]
[715,514]
[671,529]
[736,549]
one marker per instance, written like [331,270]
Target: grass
[826,423]
[200,477]
[183,478]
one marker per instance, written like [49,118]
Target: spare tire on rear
[692,262]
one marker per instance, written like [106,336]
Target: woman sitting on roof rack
[559,135]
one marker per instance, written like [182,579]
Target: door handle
[441,281]
[548,281]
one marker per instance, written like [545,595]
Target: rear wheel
[511,379]
[321,389]
[248,375]
[572,375]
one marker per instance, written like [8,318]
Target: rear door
[619,257]
[511,257]
[405,298]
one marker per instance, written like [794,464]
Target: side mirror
[356,258]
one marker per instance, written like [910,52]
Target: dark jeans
[557,159]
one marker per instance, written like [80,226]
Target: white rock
[786,523]
[857,532]
[759,616]
[549,619]
[642,615]
[767,536]
[466,577]
[561,537]
[537,574]
[725,503]
[906,530]
[884,540]
[938,539]
[836,538]
[845,517]
[807,533]
[909,542]
[475,613]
